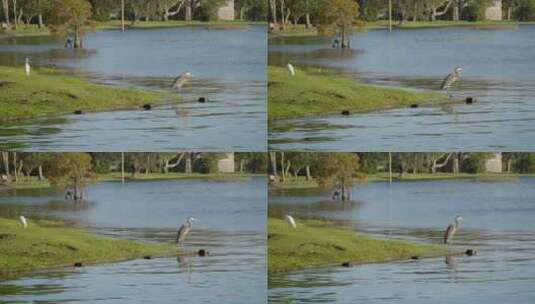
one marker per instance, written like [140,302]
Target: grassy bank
[116,176]
[116,24]
[311,92]
[301,183]
[317,243]
[301,30]
[50,91]
[48,244]
[33,30]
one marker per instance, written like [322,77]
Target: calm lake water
[498,222]
[499,71]
[231,226]
[228,68]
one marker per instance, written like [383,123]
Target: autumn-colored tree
[337,170]
[71,171]
[70,18]
[337,18]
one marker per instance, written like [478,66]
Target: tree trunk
[283,173]
[188,10]
[242,165]
[307,21]
[77,39]
[15,13]
[455,167]
[15,166]
[5,5]
[188,163]
[41,175]
[273,159]
[5,159]
[282,15]
[307,169]
[273,7]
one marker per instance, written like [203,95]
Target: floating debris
[203,252]
[202,99]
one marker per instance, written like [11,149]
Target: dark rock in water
[147,257]
[414,105]
[415,257]
[347,264]
[471,252]
[78,112]
[78,264]
[346,112]
[470,100]
[203,99]
[147,106]
[203,252]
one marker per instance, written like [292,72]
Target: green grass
[300,182]
[50,91]
[49,244]
[317,93]
[116,24]
[316,243]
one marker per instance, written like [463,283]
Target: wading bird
[451,78]
[181,80]
[23,221]
[291,69]
[27,67]
[452,229]
[290,220]
[184,230]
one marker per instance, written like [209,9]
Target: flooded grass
[318,243]
[316,93]
[49,91]
[46,244]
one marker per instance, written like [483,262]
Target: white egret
[23,221]
[451,78]
[181,80]
[290,221]
[291,69]
[184,230]
[452,229]
[27,67]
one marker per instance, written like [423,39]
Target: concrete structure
[226,165]
[494,11]
[494,164]
[226,12]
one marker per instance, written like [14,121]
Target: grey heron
[181,80]
[451,78]
[291,69]
[23,221]
[452,229]
[290,220]
[27,67]
[184,230]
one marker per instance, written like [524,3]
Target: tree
[337,170]
[72,171]
[70,18]
[338,17]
